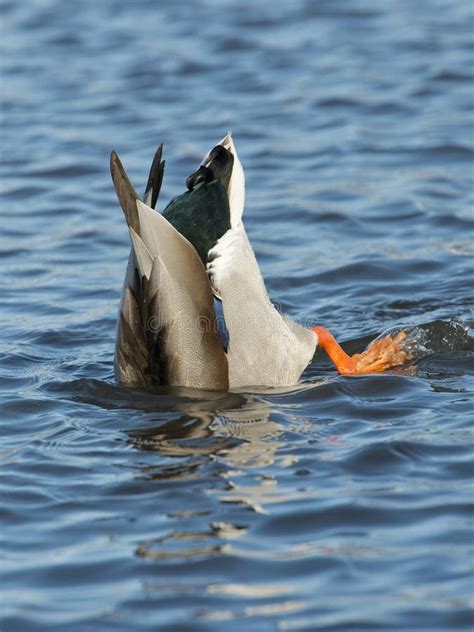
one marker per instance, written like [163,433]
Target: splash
[437,336]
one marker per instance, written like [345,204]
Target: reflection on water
[241,437]
[182,544]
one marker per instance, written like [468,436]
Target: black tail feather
[155,178]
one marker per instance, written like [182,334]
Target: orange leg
[344,363]
[382,354]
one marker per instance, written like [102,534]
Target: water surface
[341,504]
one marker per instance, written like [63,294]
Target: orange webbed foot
[382,354]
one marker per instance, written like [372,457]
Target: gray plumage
[265,347]
[166,327]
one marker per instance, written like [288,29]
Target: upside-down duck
[195,311]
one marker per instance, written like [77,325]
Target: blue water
[341,504]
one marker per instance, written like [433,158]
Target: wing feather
[167,304]
[265,348]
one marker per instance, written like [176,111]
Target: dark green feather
[201,215]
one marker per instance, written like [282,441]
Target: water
[341,504]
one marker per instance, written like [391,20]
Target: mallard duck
[195,311]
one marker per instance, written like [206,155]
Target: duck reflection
[237,428]
[225,435]
[218,462]
[191,544]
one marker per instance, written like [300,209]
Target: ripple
[343,503]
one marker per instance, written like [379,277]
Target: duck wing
[264,348]
[166,327]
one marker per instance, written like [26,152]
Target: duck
[194,310]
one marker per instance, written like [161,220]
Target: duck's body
[179,263]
